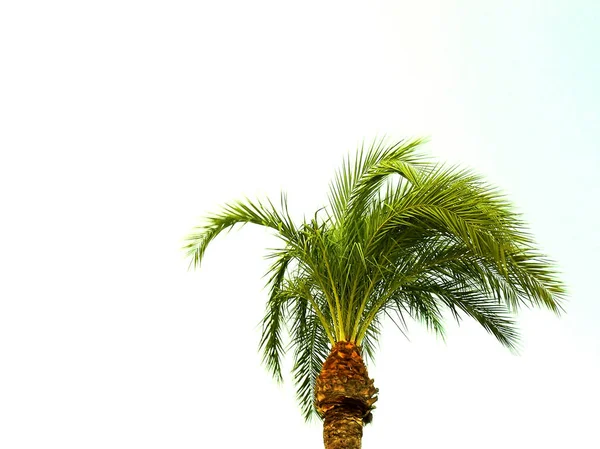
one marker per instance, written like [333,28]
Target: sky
[122,123]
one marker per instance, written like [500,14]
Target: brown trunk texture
[344,396]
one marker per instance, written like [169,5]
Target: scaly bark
[344,396]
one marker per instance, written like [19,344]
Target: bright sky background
[123,122]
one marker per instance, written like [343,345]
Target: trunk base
[344,396]
[343,427]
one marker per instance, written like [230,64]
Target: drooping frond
[311,349]
[273,323]
[240,212]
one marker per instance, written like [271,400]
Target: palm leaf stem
[338,308]
[322,319]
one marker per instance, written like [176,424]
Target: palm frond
[493,316]
[240,212]
[271,343]
[370,342]
[356,183]
[422,307]
[311,349]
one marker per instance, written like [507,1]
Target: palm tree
[402,237]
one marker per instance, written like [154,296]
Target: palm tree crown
[401,237]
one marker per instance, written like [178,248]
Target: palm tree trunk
[344,396]
[342,428]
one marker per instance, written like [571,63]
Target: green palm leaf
[311,349]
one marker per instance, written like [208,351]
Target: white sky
[123,122]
